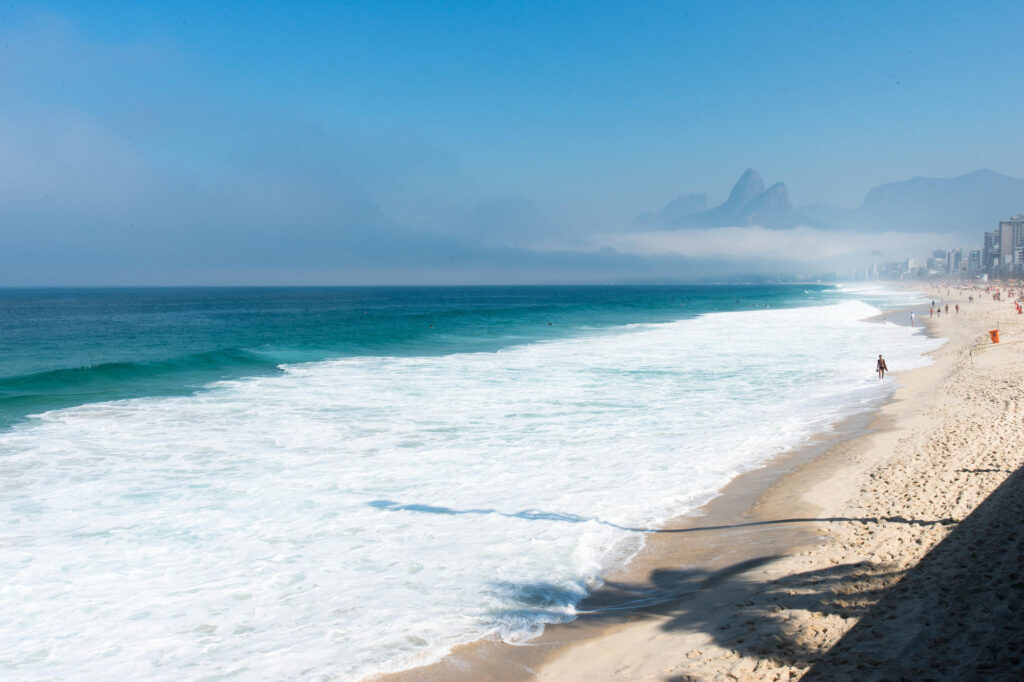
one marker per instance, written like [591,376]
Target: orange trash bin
[994,335]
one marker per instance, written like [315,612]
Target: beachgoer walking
[880,366]
[947,309]
[931,312]
[957,308]
[911,319]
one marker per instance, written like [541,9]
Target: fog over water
[155,144]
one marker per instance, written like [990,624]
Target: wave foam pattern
[368,514]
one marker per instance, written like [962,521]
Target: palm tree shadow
[768,620]
[956,615]
[747,614]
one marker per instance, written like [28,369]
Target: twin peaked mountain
[749,203]
[971,202]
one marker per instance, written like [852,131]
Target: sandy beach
[888,549]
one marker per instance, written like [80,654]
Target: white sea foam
[367,514]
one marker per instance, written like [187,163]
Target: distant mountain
[749,203]
[823,215]
[673,210]
[770,208]
[748,188]
[974,201]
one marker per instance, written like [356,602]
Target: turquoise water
[65,347]
[309,484]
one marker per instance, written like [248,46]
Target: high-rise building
[954,259]
[974,262]
[1011,235]
[990,254]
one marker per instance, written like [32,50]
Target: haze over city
[361,143]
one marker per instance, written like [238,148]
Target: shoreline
[720,533]
[760,516]
[886,583]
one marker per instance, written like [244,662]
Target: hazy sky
[218,142]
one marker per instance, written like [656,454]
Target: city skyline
[1001,255]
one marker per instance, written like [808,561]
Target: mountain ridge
[749,203]
[972,201]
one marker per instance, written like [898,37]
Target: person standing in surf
[881,367]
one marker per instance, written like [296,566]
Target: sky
[441,142]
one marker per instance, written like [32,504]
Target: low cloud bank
[799,245]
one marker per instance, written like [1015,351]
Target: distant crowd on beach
[1012,290]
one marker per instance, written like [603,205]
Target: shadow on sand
[745,614]
[957,615]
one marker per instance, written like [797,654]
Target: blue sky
[304,131]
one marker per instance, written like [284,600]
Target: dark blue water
[65,347]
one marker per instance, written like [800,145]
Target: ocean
[324,483]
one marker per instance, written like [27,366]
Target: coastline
[731,529]
[702,559]
[231,423]
[883,584]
